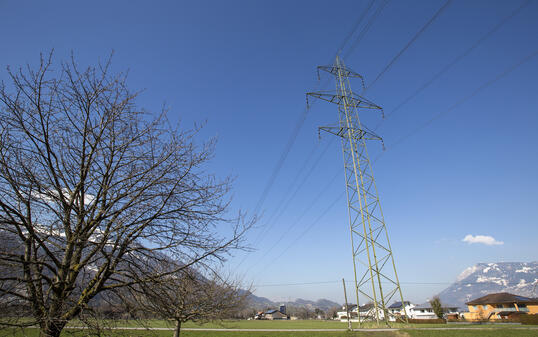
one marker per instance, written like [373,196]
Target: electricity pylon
[376,279]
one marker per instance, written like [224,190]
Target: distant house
[274,314]
[397,310]
[500,306]
[365,312]
[342,315]
[425,311]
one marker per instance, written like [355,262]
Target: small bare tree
[94,192]
[187,295]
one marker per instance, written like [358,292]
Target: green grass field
[404,333]
[414,330]
[277,324]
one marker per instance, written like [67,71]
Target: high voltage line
[355,27]
[366,28]
[305,211]
[357,41]
[456,60]
[447,67]
[312,224]
[413,39]
[303,115]
[361,35]
[339,282]
[462,100]
[459,102]
[286,202]
[301,120]
[437,75]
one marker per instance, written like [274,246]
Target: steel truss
[376,280]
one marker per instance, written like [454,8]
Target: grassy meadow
[401,333]
[411,330]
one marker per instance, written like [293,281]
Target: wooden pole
[347,308]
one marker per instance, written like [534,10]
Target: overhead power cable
[355,27]
[366,27]
[413,39]
[339,282]
[287,201]
[462,100]
[280,162]
[303,181]
[294,135]
[457,59]
[303,115]
[294,183]
[300,217]
[312,224]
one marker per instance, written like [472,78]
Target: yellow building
[500,306]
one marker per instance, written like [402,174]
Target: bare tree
[94,192]
[185,296]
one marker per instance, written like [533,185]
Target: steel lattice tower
[373,262]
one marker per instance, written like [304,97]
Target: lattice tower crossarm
[376,280]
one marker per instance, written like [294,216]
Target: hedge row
[427,321]
[528,319]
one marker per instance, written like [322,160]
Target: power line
[363,31]
[432,19]
[305,211]
[306,230]
[357,41]
[303,115]
[303,181]
[281,160]
[355,27]
[359,38]
[463,100]
[294,182]
[351,282]
[456,60]
[366,27]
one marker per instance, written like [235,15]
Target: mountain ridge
[520,278]
[263,303]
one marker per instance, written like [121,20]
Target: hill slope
[518,278]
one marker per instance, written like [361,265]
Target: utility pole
[373,262]
[347,306]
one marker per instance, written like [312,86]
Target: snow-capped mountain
[520,278]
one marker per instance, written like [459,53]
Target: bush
[528,319]
[427,321]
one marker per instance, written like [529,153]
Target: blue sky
[244,67]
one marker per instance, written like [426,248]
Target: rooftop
[502,298]
[398,304]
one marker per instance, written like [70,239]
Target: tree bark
[178,328]
[51,329]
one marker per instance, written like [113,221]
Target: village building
[397,310]
[500,306]
[274,314]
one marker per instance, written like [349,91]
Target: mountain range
[520,278]
[263,303]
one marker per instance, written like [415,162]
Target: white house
[365,312]
[396,310]
[425,311]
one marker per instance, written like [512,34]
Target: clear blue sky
[244,67]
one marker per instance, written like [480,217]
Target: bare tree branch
[95,192]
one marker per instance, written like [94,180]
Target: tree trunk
[178,328]
[51,329]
